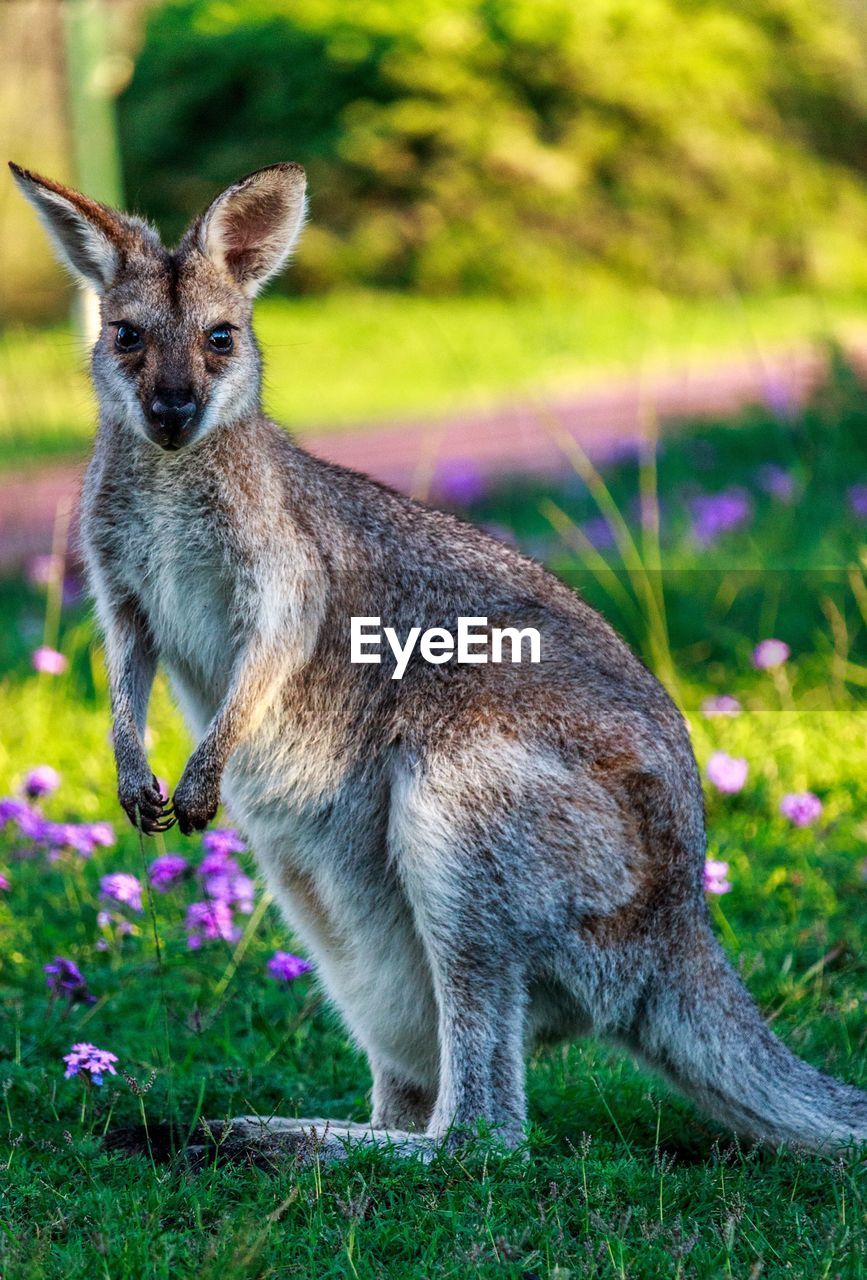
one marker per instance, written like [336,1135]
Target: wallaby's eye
[220,339]
[127,338]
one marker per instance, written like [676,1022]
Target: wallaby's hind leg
[399,1103]
[481,1022]
[467,925]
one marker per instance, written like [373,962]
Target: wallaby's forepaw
[196,799]
[144,805]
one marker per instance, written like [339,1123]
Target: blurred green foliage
[471,145]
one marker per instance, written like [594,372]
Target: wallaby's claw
[194,820]
[160,826]
[147,808]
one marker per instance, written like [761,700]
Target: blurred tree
[513,145]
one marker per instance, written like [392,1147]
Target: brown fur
[477,856]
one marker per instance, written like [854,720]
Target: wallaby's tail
[699,1025]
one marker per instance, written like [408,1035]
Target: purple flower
[223,841]
[41,781]
[71,591]
[598,532]
[64,978]
[221,876]
[210,920]
[716,513]
[770,653]
[777,482]
[715,876]
[64,835]
[234,889]
[30,824]
[217,864]
[727,773]
[165,872]
[48,661]
[81,837]
[5,883]
[801,807]
[123,887]
[722,704]
[460,482]
[286,968]
[778,395]
[93,1063]
[13,810]
[857,496]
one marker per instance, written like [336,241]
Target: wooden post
[94,71]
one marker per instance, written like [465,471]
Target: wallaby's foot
[277,1138]
[262,1142]
[454,1136]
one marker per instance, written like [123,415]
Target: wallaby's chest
[168,554]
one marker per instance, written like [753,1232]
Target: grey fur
[476,857]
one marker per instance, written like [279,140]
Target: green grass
[619,1177]
[357,358]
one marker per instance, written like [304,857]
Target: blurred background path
[451,458]
[513,210]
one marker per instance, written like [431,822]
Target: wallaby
[477,856]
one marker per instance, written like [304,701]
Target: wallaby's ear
[250,230]
[89,238]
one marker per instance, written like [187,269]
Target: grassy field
[619,1177]
[356,358]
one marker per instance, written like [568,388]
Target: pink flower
[727,773]
[5,883]
[122,887]
[801,807]
[722,704]
[41,781]
[44,569]
[770,653]
[99,833]
[715,876]
[286,968]
[48,661]
[210,920]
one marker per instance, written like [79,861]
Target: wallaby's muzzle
[172,414]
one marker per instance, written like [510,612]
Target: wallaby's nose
[173,410]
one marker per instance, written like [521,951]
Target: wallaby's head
[176,355]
